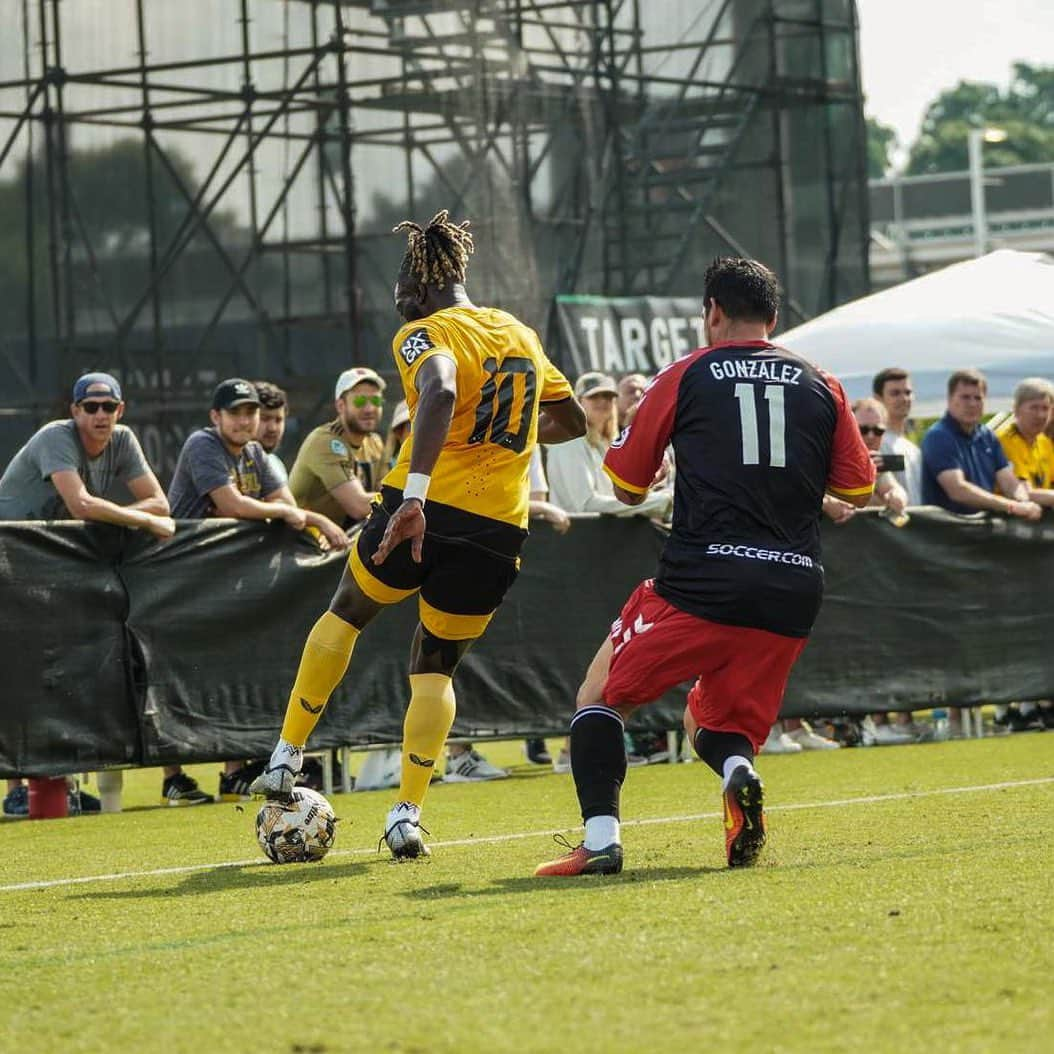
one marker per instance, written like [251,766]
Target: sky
[911,50]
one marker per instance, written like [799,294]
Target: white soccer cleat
[402,831]
[278,779]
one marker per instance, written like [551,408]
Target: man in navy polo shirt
[964,468]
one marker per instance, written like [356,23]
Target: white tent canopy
[995,314]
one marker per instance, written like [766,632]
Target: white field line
[871,799]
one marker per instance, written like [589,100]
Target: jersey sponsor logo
[415,345]
[621,438]
[755,369]
[338,448]
[752,552]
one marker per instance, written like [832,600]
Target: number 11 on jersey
[748,421]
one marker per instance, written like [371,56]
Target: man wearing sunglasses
[90,467]
[339,465]
[871,419]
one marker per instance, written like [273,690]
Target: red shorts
[741,672]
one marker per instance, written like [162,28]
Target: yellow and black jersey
[503,376]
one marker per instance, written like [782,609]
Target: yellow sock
[427,724]
[327,653]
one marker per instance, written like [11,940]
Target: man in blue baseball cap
[88,467]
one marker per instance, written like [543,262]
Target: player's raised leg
[323,663]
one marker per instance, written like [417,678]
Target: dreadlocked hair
[438,253]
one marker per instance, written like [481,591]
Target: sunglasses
[363,400]
[872,430]
[91,408]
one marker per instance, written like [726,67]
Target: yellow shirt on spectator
[1033,462]
[503,375]
[327,459]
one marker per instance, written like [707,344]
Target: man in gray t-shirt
[70,469]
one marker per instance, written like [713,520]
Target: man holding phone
[892,388]
[871,419]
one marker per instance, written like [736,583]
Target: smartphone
[890,463]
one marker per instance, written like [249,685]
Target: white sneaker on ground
[380,770]
[780,743]
[807,739]
[884,735]
[471,767]
[562,763]
[279,777]
[402,831]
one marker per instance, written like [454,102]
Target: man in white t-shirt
[892,388]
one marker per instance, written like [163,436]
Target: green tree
[881,139]
[1025,111]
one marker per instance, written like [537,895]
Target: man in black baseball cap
[234,392]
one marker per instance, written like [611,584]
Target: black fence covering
[121,651]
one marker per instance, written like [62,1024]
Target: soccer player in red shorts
[759,435]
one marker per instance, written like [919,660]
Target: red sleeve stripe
[853,491]
[632,488]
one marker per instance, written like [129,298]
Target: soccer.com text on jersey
[752,552]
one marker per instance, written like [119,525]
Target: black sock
[716,747]
[598,760]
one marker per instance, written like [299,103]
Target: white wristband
[416,486]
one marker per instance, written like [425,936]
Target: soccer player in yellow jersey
[452,513]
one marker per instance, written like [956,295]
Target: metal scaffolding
[220,202]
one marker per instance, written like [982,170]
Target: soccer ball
[297,831]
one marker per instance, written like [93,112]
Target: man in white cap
[339,465]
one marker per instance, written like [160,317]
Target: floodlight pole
[975,143]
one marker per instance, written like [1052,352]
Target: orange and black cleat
[582,861]
[744,817]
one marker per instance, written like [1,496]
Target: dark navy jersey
[758,435]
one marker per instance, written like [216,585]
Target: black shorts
[468,563]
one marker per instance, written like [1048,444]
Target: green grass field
[889,915]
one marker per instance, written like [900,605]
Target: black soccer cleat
[744,799]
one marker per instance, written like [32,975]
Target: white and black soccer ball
[298,831]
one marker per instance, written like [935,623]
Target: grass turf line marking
[871,799]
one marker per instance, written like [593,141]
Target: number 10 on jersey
[500,403]
[748,421]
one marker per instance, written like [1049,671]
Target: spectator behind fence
[892,388]
[963,464]
[398,430]
[871,419]
[339,465]
[74,469]
[630,390]
[224,471]
[577,482]
[71,469]
[1027,447]
[274,410]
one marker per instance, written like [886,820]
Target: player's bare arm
[628,497]
[561,421]
[436,384]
